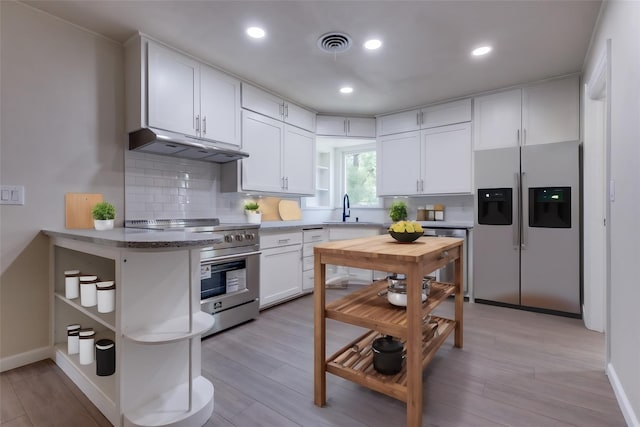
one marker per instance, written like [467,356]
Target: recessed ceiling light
[346,89]
[372,44]
[255,32]
[483,50]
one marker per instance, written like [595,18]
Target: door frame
[597,91]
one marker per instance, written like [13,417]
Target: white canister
[106,296]
[88,296]
[73,332]
[71,284]
[87,346]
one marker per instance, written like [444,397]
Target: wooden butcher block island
[365,308]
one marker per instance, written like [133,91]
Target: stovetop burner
[197,224]
[237,237]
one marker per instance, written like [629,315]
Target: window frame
[341,183]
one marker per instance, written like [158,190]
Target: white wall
[62,128]
[619,22]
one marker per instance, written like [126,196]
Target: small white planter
[103,224]
[253,217]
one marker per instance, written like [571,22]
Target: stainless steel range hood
[156,141]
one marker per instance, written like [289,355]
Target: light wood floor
[516,369]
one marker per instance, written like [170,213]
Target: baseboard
[31,356]
[625,405]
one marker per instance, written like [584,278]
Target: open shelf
[100,390]
[171,408]
[106,319]
[367,309]
[106,385]
[354,362]
[175,329]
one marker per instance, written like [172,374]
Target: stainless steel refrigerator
[526,243]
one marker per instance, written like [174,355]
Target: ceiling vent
[334,42]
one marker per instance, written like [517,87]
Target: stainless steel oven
[229,288]
[229,270]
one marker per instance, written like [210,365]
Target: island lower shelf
[354,362]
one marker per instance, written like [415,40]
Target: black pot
[388,355]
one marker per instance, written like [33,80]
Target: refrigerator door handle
[516,224]
[525,215]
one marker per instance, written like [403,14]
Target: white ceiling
[425,55]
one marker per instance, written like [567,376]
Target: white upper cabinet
[447,159]
[428,117]
[398,170]
[281,157]
[543,113]
[431,161]
[550,111]
[168,90]
[262,139]
[497,119]
[173,91]
[361,127]
[262,102]
[298,160]
[220,106]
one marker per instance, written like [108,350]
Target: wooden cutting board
[289,210]
[77,209]
[269,208]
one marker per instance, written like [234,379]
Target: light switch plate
[11,194]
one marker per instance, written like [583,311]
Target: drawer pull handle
[283,240]
[445,254]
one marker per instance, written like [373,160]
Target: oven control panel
[242,236]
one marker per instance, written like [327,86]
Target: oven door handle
[228,257]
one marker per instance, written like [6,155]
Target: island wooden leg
[459,281]
[319,330]
[414,348]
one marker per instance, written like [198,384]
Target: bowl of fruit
[405,231]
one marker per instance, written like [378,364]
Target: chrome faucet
[345,206]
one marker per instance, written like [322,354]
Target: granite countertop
[292,225]
[138,238]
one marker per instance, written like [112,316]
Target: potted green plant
[103,215]
[398,211]
[252,210]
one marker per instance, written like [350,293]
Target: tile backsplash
[167,187]
[162,187]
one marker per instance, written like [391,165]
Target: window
[359,176]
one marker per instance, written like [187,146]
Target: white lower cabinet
[156,327]
[310,238]
[280,266]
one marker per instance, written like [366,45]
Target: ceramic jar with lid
[105,357]
[106,296]
[86,347]
[72,284]
[88,296]
[430,213]
[73,332]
